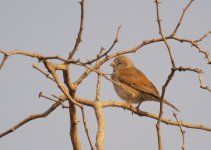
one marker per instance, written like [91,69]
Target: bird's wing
[137,80]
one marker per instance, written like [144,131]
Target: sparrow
[131,84]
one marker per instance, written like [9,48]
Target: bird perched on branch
[131,84]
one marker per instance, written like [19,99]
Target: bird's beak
[112,64]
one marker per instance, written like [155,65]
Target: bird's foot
[137,107]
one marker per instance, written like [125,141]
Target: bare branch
[78,40]
[127,106]
[160,145]
[72,107]
[161,108]
[86,129]
[99,77]
[101,125]
[51,68]
[43,72]
[193,43]
[199,72]
[74,126]
[182,132]
[203,37]
[60,99]
[196,70]
[3,61]
[33,55]
[131,50]
[69,88]
[202,84]
[30,118]
[106,52]
[181,17]
[67,80]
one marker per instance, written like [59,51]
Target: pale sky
[50,27]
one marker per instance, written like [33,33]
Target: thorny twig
[181,17]
[172,62]
[182,131]
[30,118]
[160,143]
[116,40]
[193,43]
[60,99]
[199,72]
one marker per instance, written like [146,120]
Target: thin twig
[182,132]
[43,72]
[80,32]
[193,43]
[60,100]
[30,118]
[199,72]
[3,61]
[31,54]
[116,40]
[196,70]
[181,17]
[99,77]
[202,84]
[160,142]
[203,37]
[86,128]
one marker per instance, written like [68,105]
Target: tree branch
[30,118]
[181,17]
[78,40]
[101,125]
[125,105]
[74,126]
[182,132]
[86,128]
[106,52]
[203,37]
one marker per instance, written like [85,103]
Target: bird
[132,85]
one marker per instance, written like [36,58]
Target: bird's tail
[171,105]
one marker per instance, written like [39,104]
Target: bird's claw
[137,107]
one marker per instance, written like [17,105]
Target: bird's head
[121,62]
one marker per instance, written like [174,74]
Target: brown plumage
[131,84]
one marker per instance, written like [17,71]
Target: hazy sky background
[50,27]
